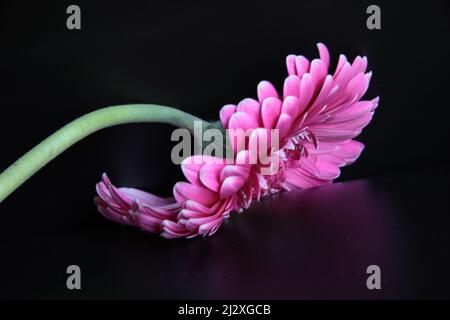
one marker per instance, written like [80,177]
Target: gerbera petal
[210,176]
[230,186]
[146,198]
[266,90]
[296,178]
[234,170]
[284,124]
[242,121]
[290,64]
[356,110]
[225,114]
[184,191]
[270,112]
[291,86]
[250,107]
[318,72]
[324,54]
[327,169]
[290,106]
[302,65]
[306,92]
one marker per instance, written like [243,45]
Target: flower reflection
[319,244]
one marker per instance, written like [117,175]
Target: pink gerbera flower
[317,116]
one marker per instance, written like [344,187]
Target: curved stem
[78,129]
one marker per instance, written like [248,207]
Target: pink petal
[350,151]
[290,106]
[290,64]
[297,178]
[321,98]
[196,206]
[318,72]
[210,176]
[259,144]
[211,227]
[284,124]
[291,86]
[250,107]
[359,65]
[191,168]
[327,169]
[225,113]
[266,90]
[324,55]
[332,134]
[174,230]
[302,65]
[230,186]
[184,191]
[234,170]
[342,61]
[375,102]
[243,121]
[356,110]
[306,92]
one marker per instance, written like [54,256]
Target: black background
[199,56]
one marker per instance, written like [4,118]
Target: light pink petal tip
[318,114]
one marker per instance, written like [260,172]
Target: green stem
[78,129]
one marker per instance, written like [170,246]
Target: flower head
[317,116]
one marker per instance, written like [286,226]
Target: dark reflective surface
[314,243]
